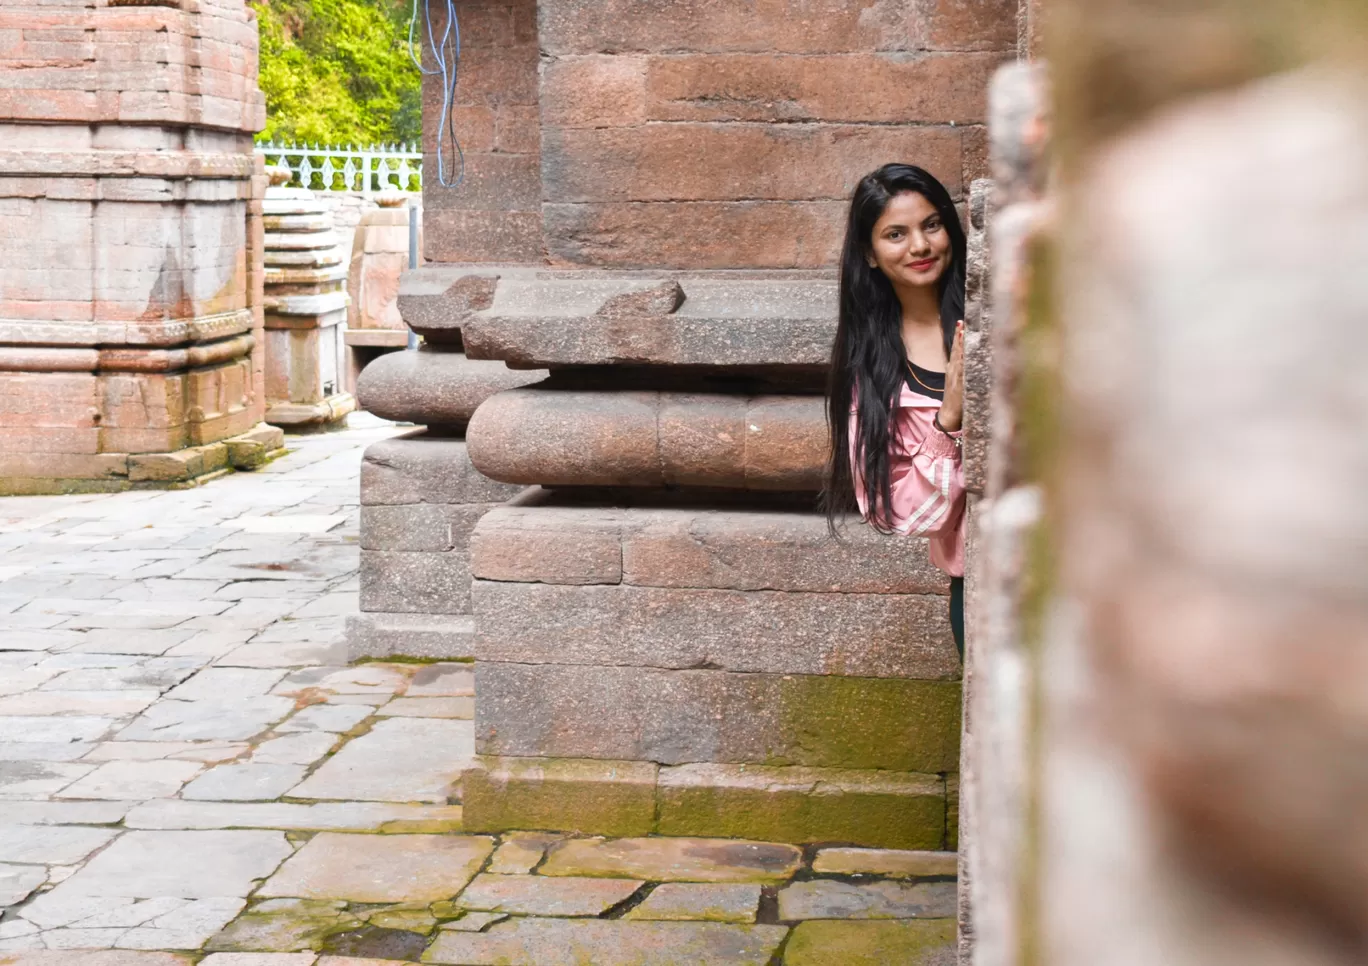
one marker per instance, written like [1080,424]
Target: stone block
[421,468]
[679,717]
[458,235]
[879,809]
[256,447]
[871,635]
[721,322]
[564,546]
[540,895]
[895,864]
[558,437]
[434,387]
[707,902]
[825,899]
[415,583]
[185,464]
[433,300]
[559,794]
[912,942]
[674,859]
[376,868]
[420,527]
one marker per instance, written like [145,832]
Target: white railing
[368,170]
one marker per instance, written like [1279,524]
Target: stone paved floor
[189,773]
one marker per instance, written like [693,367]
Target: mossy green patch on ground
[902,942]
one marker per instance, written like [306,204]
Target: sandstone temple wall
[131,239]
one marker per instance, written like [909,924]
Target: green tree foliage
[338,71]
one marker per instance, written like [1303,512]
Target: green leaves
[338,71]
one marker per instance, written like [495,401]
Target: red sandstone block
[746,234]
[934,88]
[594,91]
[704,162]
[966,24]
[576,546]
[493,182]
[474,127]
[702,439]
[507,75]
[518,131]
[483,25]
[801,26]
[456,235]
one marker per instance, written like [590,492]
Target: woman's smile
[925,265]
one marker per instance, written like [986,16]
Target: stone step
[445,636]
[421,467]
[680,717]
[869,808]
[434,387]
[560,437]
[553,539]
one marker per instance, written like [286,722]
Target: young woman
[897,377]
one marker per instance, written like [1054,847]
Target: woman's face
[910,244]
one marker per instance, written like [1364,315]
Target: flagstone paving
[190,774]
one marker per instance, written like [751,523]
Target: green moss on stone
[899,942]
[562,795]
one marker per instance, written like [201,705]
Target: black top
[924,382]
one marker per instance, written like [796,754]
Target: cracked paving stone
[51,844]
[380,868]
[830,899]
[323,816]
[573,942]
[218,683]
[399,760]
[259,959]
[893,863]
[442,680]
[521,851]
[303,748]
[334,718]
[537,895]
[429,708]
[133,780]
[17,881]
[284,925]
[233,719]
[21,780]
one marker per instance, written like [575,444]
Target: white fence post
[379,167]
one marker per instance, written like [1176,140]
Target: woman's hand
[951,416]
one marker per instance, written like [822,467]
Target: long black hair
[868,359]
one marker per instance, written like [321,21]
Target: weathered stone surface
[463,708]
[415,583]
[250,782]
[564,437]
[570,942]
[96,957]
[711,902]
[539,895]
[596,797]
[323,816]
[434,299]
[51,844]
[421,468]
[893,863]
[908,943]
[420,527]
[876,808]
[229,719]
[18,881]
[129,780]
[521,852]
[410,635]
[284,925]
[828,899]
[674,859]
[721,322]
[385,765]
[442,680]
[471,921]
[433,387]
[676,717]
[548,539]
[380,868]
[873,635]
[190,865]
[259,959]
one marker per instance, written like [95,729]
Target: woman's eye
[933,226]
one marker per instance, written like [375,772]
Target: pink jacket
[927,478]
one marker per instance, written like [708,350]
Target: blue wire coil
[446,54]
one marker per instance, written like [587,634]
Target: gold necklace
[919,382]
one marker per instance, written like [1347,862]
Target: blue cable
[446,66]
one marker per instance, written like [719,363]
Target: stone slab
[50,844]
[710,902]
[537,322]
[893,863]
[420,527]
[323,816]
[874,808]
[549,539]
[681,717]
[95,957]
[463,708]
[388,634]
[570,437]
[520,852]
[442,680]
[375,868]
[399,760]
[928,942]
[829,899]
[539,895]
[284,925]
[422,468]
[434,387]
[133,780]
[190,865]
[857,635]
[244,782]
[225,719]
[415,583]
[674,859]
[593,797]
[573,942]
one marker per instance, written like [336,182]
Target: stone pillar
[379,257]
[130,234]
[306,310]
[420,495]
[667,637]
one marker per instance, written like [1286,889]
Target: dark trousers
[957,612]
